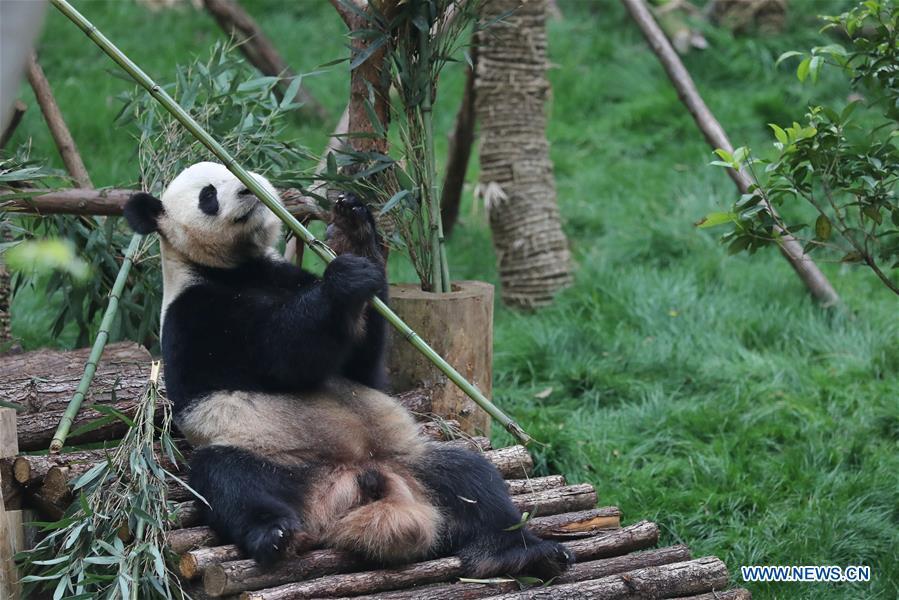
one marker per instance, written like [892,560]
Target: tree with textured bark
[517,180]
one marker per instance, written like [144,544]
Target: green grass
[702,391]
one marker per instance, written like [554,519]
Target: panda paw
[352,228]
[354,279]
[350,213]
[267,541]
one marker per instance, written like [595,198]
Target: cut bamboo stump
[460,327]
[611,561]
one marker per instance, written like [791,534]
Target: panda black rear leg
[268,538]
[523,554]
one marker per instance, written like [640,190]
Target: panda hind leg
[483,526]
[252,502]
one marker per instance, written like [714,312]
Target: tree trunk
[517,180]
[460,142]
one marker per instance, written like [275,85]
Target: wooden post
[460,324]
[19,109]
[61,135]
[10,522]
[711,129]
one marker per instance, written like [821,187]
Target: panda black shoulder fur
[273,374]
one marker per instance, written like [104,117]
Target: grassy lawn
[702,391]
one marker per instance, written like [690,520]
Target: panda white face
[206,216]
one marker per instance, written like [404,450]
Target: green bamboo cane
[62,430]
[439,263]
[317,246]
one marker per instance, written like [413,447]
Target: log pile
[612,561]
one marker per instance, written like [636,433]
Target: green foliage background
[703,391]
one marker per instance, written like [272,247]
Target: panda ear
[142,212]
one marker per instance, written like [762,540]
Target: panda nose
[245,192]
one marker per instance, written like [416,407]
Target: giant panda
[273,374]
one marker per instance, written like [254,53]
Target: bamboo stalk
[62,430]
[272,203]
[439,265]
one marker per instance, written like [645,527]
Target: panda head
[208,217]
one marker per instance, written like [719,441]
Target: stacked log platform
[612,560]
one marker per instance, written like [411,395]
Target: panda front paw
[353,229]
[353,279]
[268,540]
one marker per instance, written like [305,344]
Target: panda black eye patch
[209,202]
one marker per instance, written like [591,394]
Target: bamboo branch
[19,109]
[57,125]
[259,50]
[272,203]
[791,249]
[62,431]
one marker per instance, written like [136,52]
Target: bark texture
[460,327]
[689,577]
[578,572]
[517,179]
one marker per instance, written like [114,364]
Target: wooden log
[417,401]
[664,581]
[46,363]
[349,584]
[10,491]
[477,443]
[18,112]
[57,125]
[10,528]
[194,563]
[613,543]
[259,50]
[735,594]
[468,310]
[534,484]
[557,500]
[43,382]
[578,572]
[111,202]
[195,560]
[36,430]
[576,524]
[513,461]
[240,575]
[181,541]
[616,541]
